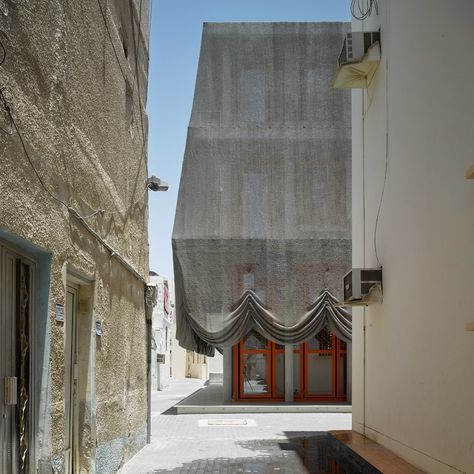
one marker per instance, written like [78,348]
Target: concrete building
[413,208]
[162,321]
[262,235]
[73,234]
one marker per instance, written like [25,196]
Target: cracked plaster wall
[67,89]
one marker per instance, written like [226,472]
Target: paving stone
[278,443]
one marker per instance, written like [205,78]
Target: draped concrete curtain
[262,229]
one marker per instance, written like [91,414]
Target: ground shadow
[299,453]
[171,411]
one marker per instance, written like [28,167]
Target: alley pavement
[284,443]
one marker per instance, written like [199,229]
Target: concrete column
[289,390]
[227,375]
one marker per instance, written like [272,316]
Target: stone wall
[75,78]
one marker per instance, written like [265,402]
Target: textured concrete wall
[265,194]
[79,106]
[413,385]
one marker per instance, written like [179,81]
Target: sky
[176,27]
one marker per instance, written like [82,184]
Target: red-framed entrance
[320,369]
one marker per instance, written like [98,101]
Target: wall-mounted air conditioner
[362,286]
[359,59]
[356,45]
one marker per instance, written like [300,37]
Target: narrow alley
[236,237]
[286,443]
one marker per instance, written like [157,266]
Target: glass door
[319,368]
[325,370]
[255,367]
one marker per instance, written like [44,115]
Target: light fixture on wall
[156,184]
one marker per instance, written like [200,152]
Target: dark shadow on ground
[300,453]
[170,411]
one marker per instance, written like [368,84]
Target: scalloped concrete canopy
[264,205]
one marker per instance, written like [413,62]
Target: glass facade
[319,368]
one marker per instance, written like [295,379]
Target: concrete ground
[231,443]
[209,399]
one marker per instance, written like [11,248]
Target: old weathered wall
[264,202]
[77,90]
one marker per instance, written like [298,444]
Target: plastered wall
[77,91]
[414,391]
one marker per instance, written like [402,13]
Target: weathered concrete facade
[265,184]
[75,79]
[262,233]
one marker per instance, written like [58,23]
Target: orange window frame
[239,353]
[339,360]
[337,392]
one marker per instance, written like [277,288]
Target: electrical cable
[71,210]
[386,164]
[40,179]
[20,136]
[129,207]
[364,8]
[4,53]
[136,78]
[10,128]
[104,17]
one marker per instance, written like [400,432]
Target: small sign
[160,358]
[98,328]
[59,313]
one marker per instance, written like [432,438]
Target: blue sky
[176,28]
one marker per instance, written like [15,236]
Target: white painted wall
[162,334]
[417,391]
[178,358]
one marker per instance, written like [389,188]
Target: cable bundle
[362,9]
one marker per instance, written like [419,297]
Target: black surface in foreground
[301,452]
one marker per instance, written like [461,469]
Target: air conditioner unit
[362,286]
[358,61]
[356,45]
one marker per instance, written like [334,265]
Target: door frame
[268,353]
[336,393]
[71,369]
[19,257]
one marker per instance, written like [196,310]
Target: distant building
[161,334]
[262,234]
[73,235]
